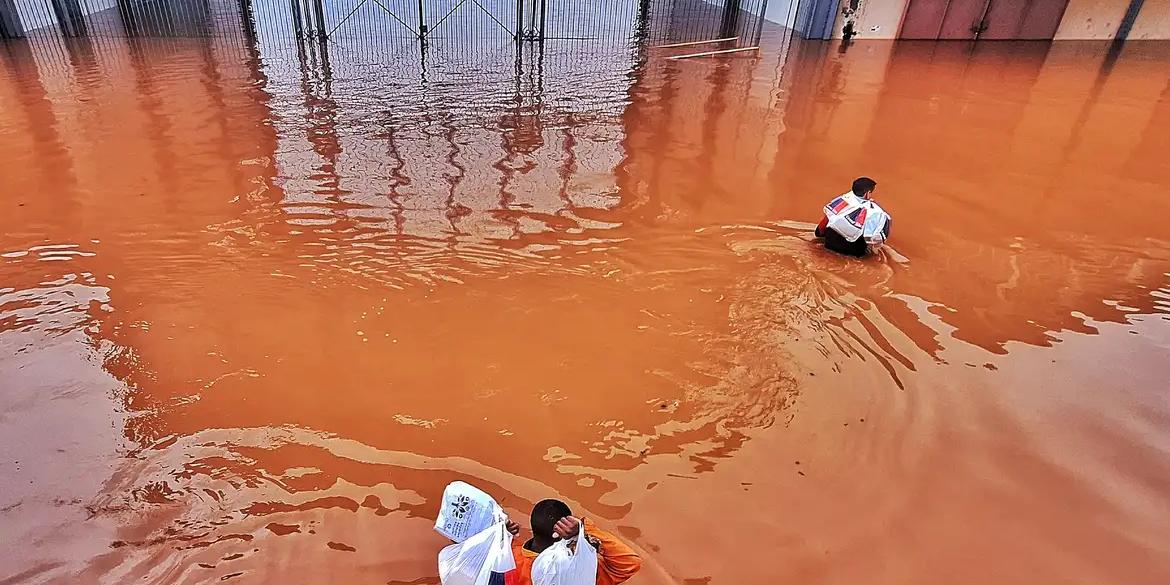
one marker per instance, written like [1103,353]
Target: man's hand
[567,527]
[512,527]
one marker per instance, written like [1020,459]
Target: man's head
[863,186]
[544,517]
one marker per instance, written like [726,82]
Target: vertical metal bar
[146,23]
[830,18]
[162,18]
[298,25]
[175,14]
[422,23]
[83,13]
[760,22]
[106,31]
[35,18]
[129,24]
[69,17]
[1127,21]
[532,21]
[519,19]
[319,18]
[326,65]
[209,23]
[191,21]
[543,12]
[204,21]
[194,23]
[60,17]
[248,19]
[176,11]
[10,25]
[641,24]
[165,18]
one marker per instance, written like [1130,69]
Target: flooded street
[257,309]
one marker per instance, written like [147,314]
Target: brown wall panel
[1023,19]
[1004,19]
[924,19]
[963,16]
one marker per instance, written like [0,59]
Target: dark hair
[545,515]
[863,185]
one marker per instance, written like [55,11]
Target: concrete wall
[1092,19]
[875,19]
[1153,22]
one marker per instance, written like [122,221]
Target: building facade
[977,19]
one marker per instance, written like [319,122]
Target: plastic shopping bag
[473,561]
[854,217]
[465,511]
[877,225]
[561,565]
[843,215]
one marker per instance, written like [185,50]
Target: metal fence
[390,21]
[120,18]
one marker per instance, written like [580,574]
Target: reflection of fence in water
[469,132]
[484,153]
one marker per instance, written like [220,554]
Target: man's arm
[615,559]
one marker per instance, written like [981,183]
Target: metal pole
[70,17]
[1131,14]
[10,25]
[298,26]
[760,23]
[319,19]
[532,22]
[326,66]
[129,19]
[730,20]
[248,19]
[543,11]
[422,24]
[519,19]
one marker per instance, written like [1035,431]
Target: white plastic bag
[473,561]
[854,217]
[877,226]
[465,511]
[561,565]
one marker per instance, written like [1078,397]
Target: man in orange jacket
[552,519]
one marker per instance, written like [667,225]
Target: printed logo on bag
[460,507]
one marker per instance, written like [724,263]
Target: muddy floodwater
[257,309]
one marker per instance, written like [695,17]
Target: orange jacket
[616,561]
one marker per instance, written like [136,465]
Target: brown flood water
[254,316]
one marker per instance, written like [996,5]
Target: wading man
[551,520]
[854,224]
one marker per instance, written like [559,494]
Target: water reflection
[330,283]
